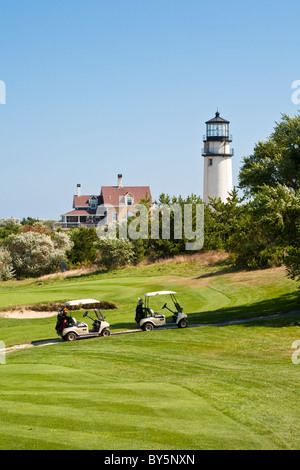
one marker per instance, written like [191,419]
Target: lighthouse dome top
[217,120]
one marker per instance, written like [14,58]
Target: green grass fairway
[209,388]
[231,387]
[208,294]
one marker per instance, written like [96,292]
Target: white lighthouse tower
[217,159]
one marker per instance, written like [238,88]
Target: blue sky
[101,87]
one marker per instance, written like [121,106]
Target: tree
[139,251]
[278,210]
[29,221]
[169,218]
[38,227]
[6,267]
[62,241]
[34,254]
[271,175]
[8,227]
[250,246]
[293,259]
[275,161]
[222,220]
[115,252]
[83,251]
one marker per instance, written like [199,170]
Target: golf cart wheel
[147,327]
[105,332]
[71,336]
[183,324]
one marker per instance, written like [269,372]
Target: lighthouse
[217,155]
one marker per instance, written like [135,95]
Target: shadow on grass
[280,321]
[285,303]
[86,275]
[220,272]
[123,326]
[288,305]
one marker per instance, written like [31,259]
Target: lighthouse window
[217,130]
[210,162]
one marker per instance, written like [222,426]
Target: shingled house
[114,204]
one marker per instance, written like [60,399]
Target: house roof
[81,212]
[111,194]
[83,201]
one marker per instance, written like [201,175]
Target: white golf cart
[148,320]
[74,330]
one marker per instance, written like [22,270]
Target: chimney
[120,181]
[79,190]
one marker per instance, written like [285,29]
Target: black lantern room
[217,129]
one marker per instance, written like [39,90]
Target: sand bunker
[26,314]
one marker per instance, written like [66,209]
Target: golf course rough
[215,387]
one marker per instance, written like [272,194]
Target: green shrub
[34,254]
[6,267]
[83,251]
[114,253]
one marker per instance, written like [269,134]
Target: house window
[93,203]
[210,162]
[129,201]
[115,216]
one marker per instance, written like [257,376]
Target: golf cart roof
[162,292]
[82,302]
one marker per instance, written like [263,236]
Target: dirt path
[48,342]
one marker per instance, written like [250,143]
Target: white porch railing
[68,225]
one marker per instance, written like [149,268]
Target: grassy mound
[54,306]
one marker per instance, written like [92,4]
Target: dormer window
[129,201]
[93,202]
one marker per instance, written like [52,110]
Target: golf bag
[139,313]
[62,322]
